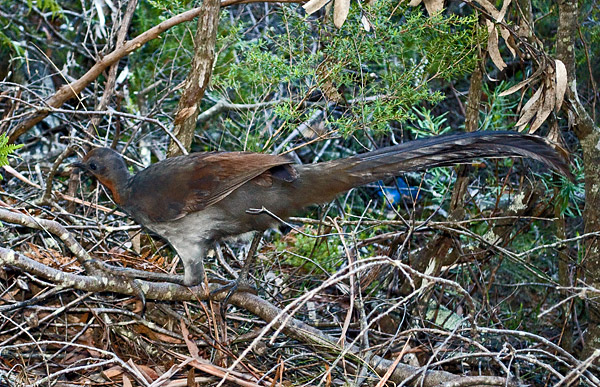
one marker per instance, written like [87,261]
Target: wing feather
[186,184]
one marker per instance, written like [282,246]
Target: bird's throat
[118,186]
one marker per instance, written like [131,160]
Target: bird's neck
[118,184]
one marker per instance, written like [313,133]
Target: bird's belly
[203,226]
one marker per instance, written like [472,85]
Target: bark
[564,277]
[198,78]
[589,137]
[526,21]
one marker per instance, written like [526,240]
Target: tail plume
[330,178]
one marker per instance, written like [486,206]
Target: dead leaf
[414,3]
[138,368]
[365,23]
[512,44]
[340,12]
[434,6]
[192,347]
[74,356]
[136,241]
[546,107]
[514,88]
[503,10]
[326,84]
[493,46]
[554,134]
[191,378]
[314,5]
[530,108]
[88,340]
[112,372]
[22,284]
[149,373]
[489,7]
[536,96]
[522,83]
[561,83]
[508,39]
[143,330]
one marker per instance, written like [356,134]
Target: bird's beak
[79,165]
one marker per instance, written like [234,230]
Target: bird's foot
[238,285]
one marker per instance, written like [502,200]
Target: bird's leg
[243,276]
[194,272]
[243,281]
[192,254]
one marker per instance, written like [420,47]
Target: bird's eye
[93,166]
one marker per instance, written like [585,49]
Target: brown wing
[191,183]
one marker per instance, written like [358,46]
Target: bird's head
[108,167]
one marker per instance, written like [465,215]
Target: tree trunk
[589,137]
[197,80]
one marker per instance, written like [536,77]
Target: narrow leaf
[536,96]
[434,6]
[546,107]
[516,87]
[489,7]
[192,347]
[503,10]
[561,83]
[493,46]
[314,5]
[522,83]
[530,108]
[507,38]
[340,12]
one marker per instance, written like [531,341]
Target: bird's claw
[238,285]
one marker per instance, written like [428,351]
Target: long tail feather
[423,154]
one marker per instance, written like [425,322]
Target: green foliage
[379,74]
[166,57]
[426,124]
[7,43]
[501,111]
[313,254]
[19,33]
[570,197]
[6,150]
[47,5]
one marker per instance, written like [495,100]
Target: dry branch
[268,312]
[72,89]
